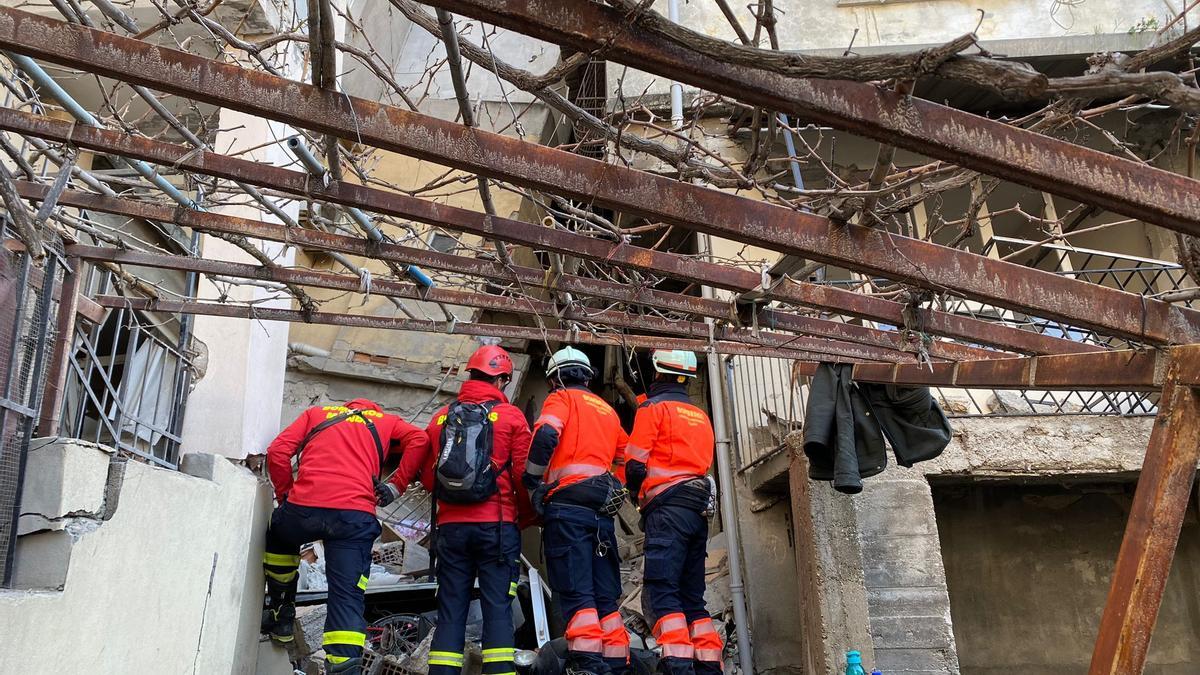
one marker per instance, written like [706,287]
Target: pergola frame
[1021,156]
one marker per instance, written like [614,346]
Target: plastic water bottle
[854,663]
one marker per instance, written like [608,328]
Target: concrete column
[904,576]
[834,613]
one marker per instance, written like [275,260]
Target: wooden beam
[1152,532]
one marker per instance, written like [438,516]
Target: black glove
[538,497]
[386,493]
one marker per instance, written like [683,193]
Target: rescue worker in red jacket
[578,443]
[669,454]
[341,453]
[479,539]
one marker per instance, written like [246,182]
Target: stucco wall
[171,582]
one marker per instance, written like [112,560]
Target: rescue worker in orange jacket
[341,451]
[578,443]
[668,457]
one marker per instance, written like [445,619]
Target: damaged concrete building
[995,203]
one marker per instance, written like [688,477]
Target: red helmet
[491,360]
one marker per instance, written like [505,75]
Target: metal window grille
[768,403]
[128,382]
[27,319]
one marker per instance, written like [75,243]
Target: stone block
[43,559]
[272,659]
[919,661]
[911,632]
[902,507]
[200,465]
[910,601]
[65,477]
[901,561]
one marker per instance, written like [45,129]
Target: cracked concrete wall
[170,582]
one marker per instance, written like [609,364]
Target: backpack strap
[339,418]
[378,443]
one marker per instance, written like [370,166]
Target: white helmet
[674,362]
[568,357]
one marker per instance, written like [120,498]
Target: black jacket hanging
[845,424]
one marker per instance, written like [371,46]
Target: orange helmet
[491,360]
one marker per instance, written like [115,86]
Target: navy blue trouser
[676,548]
[585,571]
[347,536]
[490,552]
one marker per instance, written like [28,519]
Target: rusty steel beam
[1018,155]
[515,231]
[1160,503]
[1125,370]
[316,239]
[833,350]
[445,327]
[60,356]
[635,192]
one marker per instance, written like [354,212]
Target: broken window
[127,385]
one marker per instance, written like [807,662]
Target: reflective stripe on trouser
[466,551]
[499,661]
[280,563]
[348,536]
[707,643]
[616,642]
[671,633]
[676,542]
[584,571]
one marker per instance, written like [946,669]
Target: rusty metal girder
[833,351]
[444,327]
[463,220]
[1160,504]
[657,198]
[941,132]
[1124,370]
[892,341]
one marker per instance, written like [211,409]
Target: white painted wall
[172,583]
[234,408]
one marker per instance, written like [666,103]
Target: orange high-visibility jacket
[590,438]
[672,438]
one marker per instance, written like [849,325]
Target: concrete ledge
[65,477]
[770,476]
[1007,447]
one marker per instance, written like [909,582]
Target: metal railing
[27,329]
[767,403]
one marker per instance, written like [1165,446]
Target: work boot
[349,667]
[279,623]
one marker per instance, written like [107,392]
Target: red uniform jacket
[338,466]
[510,439]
